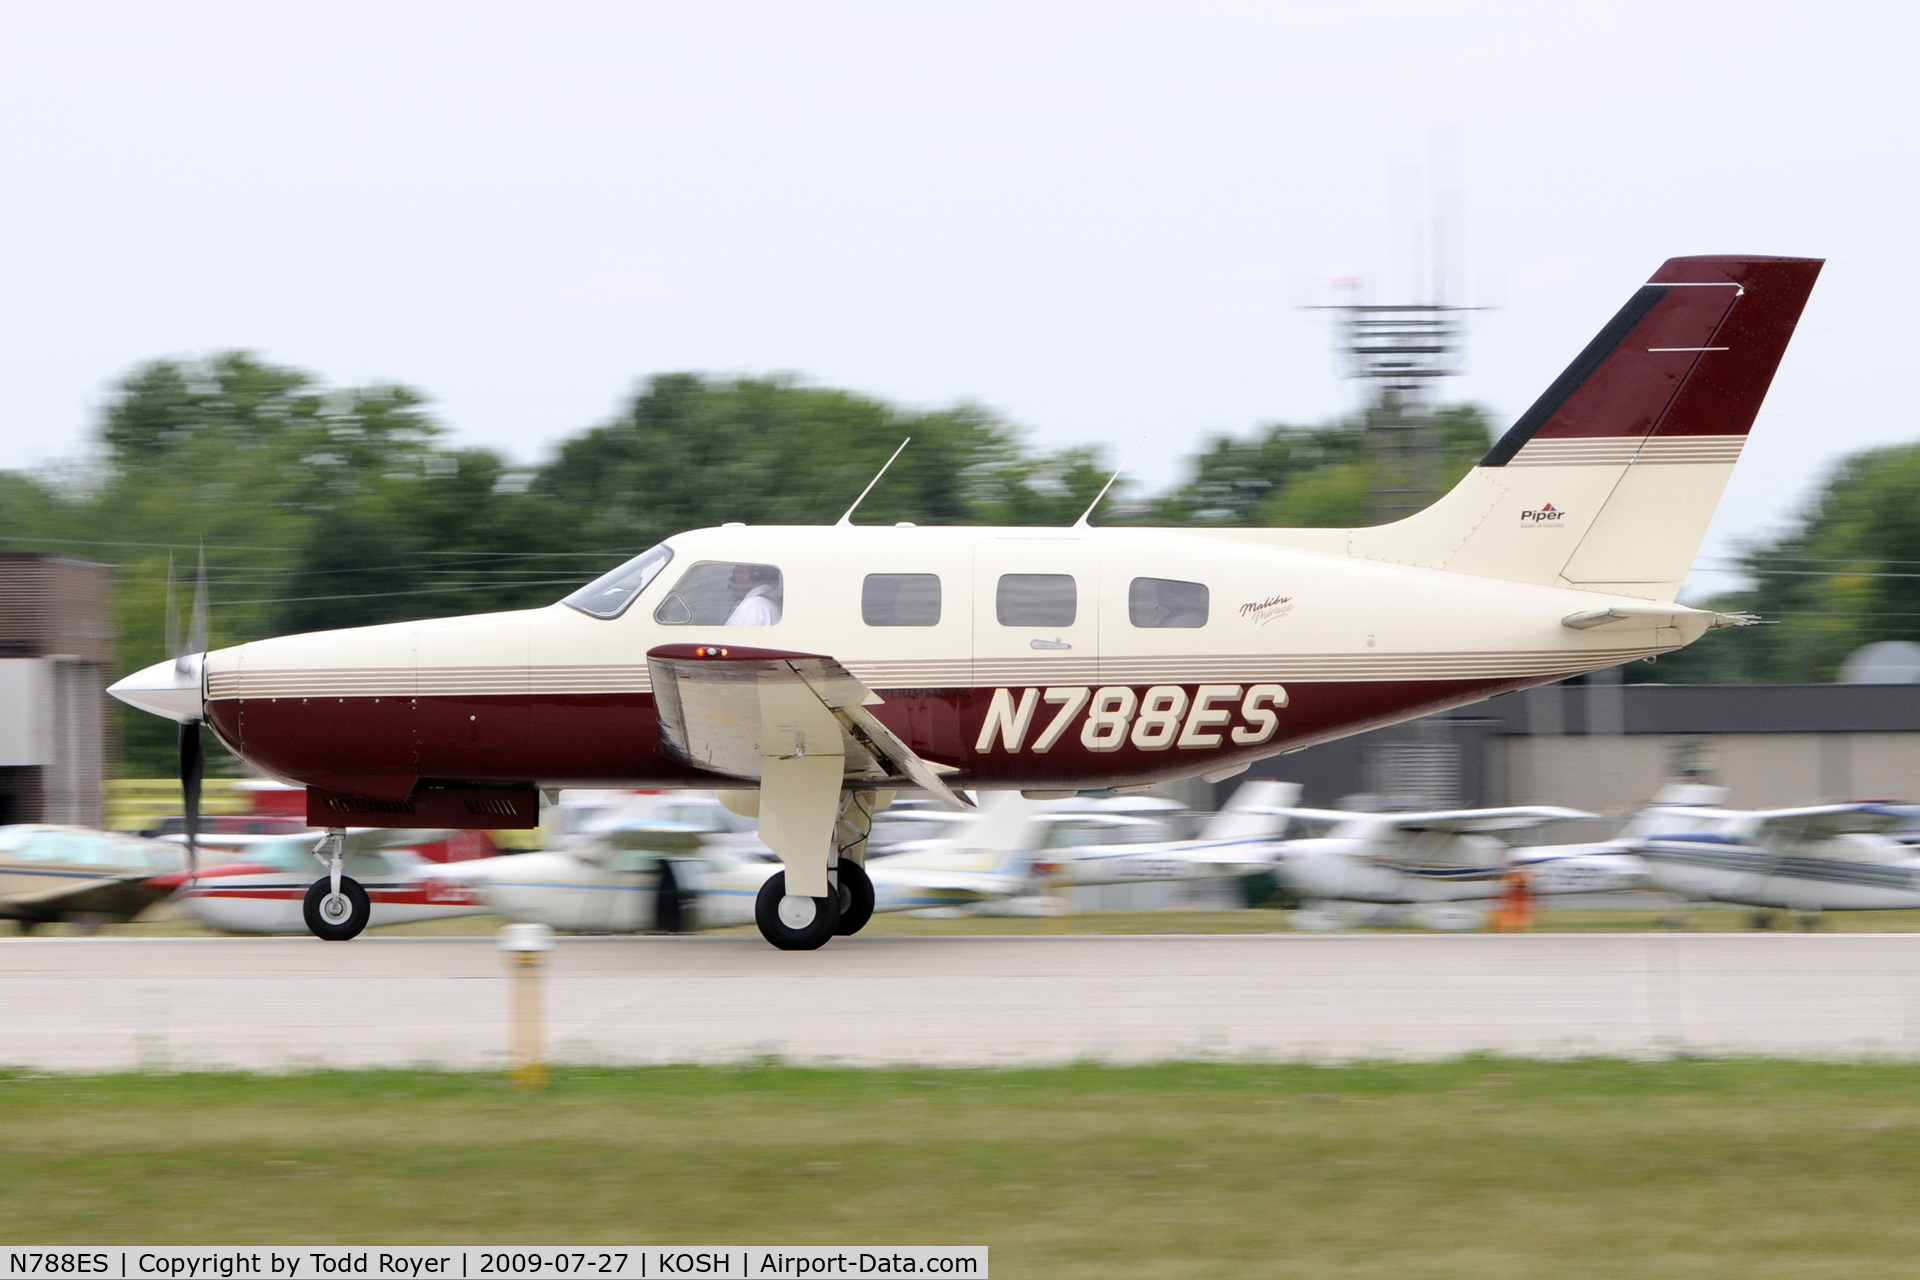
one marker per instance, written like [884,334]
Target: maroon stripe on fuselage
[382,747]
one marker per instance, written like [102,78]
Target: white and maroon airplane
[815,670]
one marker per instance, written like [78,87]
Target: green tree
[691,452]
[1306,477]
[1846,574]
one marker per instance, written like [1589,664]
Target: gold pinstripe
[932,674]
[1618,451]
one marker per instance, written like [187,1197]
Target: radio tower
[1401,350]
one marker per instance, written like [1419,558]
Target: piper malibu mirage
[817,670]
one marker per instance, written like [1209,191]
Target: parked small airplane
[1835,857]
[263,889]
[1421,860]
[1093,844]
[51,873]
[648,874]
[817,670]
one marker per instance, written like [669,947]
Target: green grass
[1478,1168]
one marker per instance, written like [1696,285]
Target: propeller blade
[191,764]
[174,650]
[197,629]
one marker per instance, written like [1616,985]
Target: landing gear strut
[337,908]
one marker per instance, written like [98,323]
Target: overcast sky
[1097,219]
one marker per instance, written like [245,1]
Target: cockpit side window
[1167,602]
[608,595]
[722,593]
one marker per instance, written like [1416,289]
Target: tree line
[324,507]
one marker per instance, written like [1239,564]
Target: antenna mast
[847,519]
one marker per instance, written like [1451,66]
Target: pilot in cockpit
[757,588]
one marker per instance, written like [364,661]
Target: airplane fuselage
[1050,659]
[1852,873]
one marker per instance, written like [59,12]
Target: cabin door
[1036,613]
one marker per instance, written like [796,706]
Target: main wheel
[335,917]
[856,899]
[793,923]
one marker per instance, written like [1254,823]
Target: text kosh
[1166,715]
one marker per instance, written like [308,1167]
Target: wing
[954,882]
[126,894]
[1448,821]
[1825,822]
[725,708]
[1479,821]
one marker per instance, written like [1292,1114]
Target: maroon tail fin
[1691,354]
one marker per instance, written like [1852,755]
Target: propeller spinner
[172,689]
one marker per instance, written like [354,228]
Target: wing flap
[728,709]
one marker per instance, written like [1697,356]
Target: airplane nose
[169,689]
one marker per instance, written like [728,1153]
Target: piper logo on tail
[1546,514]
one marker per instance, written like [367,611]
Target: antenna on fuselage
[847,519]
[1081,523]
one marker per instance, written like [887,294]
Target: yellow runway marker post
[526,947]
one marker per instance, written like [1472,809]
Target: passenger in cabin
[757,588]
[1167,602]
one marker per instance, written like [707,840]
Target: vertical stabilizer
[1253,814]
[1609,480]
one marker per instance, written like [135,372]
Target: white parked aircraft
[1835,857]
[1099,843]
[819,669]
[657,875]
[265,887]
[1421,860]
[52,873]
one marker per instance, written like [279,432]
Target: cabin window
[900,600]
[723,593]
[1167,602]
[608,595]
[1036,600]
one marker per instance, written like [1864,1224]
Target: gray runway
[105,1003]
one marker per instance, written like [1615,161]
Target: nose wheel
[336,915]
[337,908]
[791,922]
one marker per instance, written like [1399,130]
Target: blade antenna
[847,519]
[1081,523]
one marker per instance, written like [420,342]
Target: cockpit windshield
[608,595]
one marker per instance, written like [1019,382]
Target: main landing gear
[337,908]
[796,922]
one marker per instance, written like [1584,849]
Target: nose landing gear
[337,908]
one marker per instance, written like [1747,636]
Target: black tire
[359,910]
[808,937]
[856,899]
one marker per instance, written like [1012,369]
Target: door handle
[1051,644]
